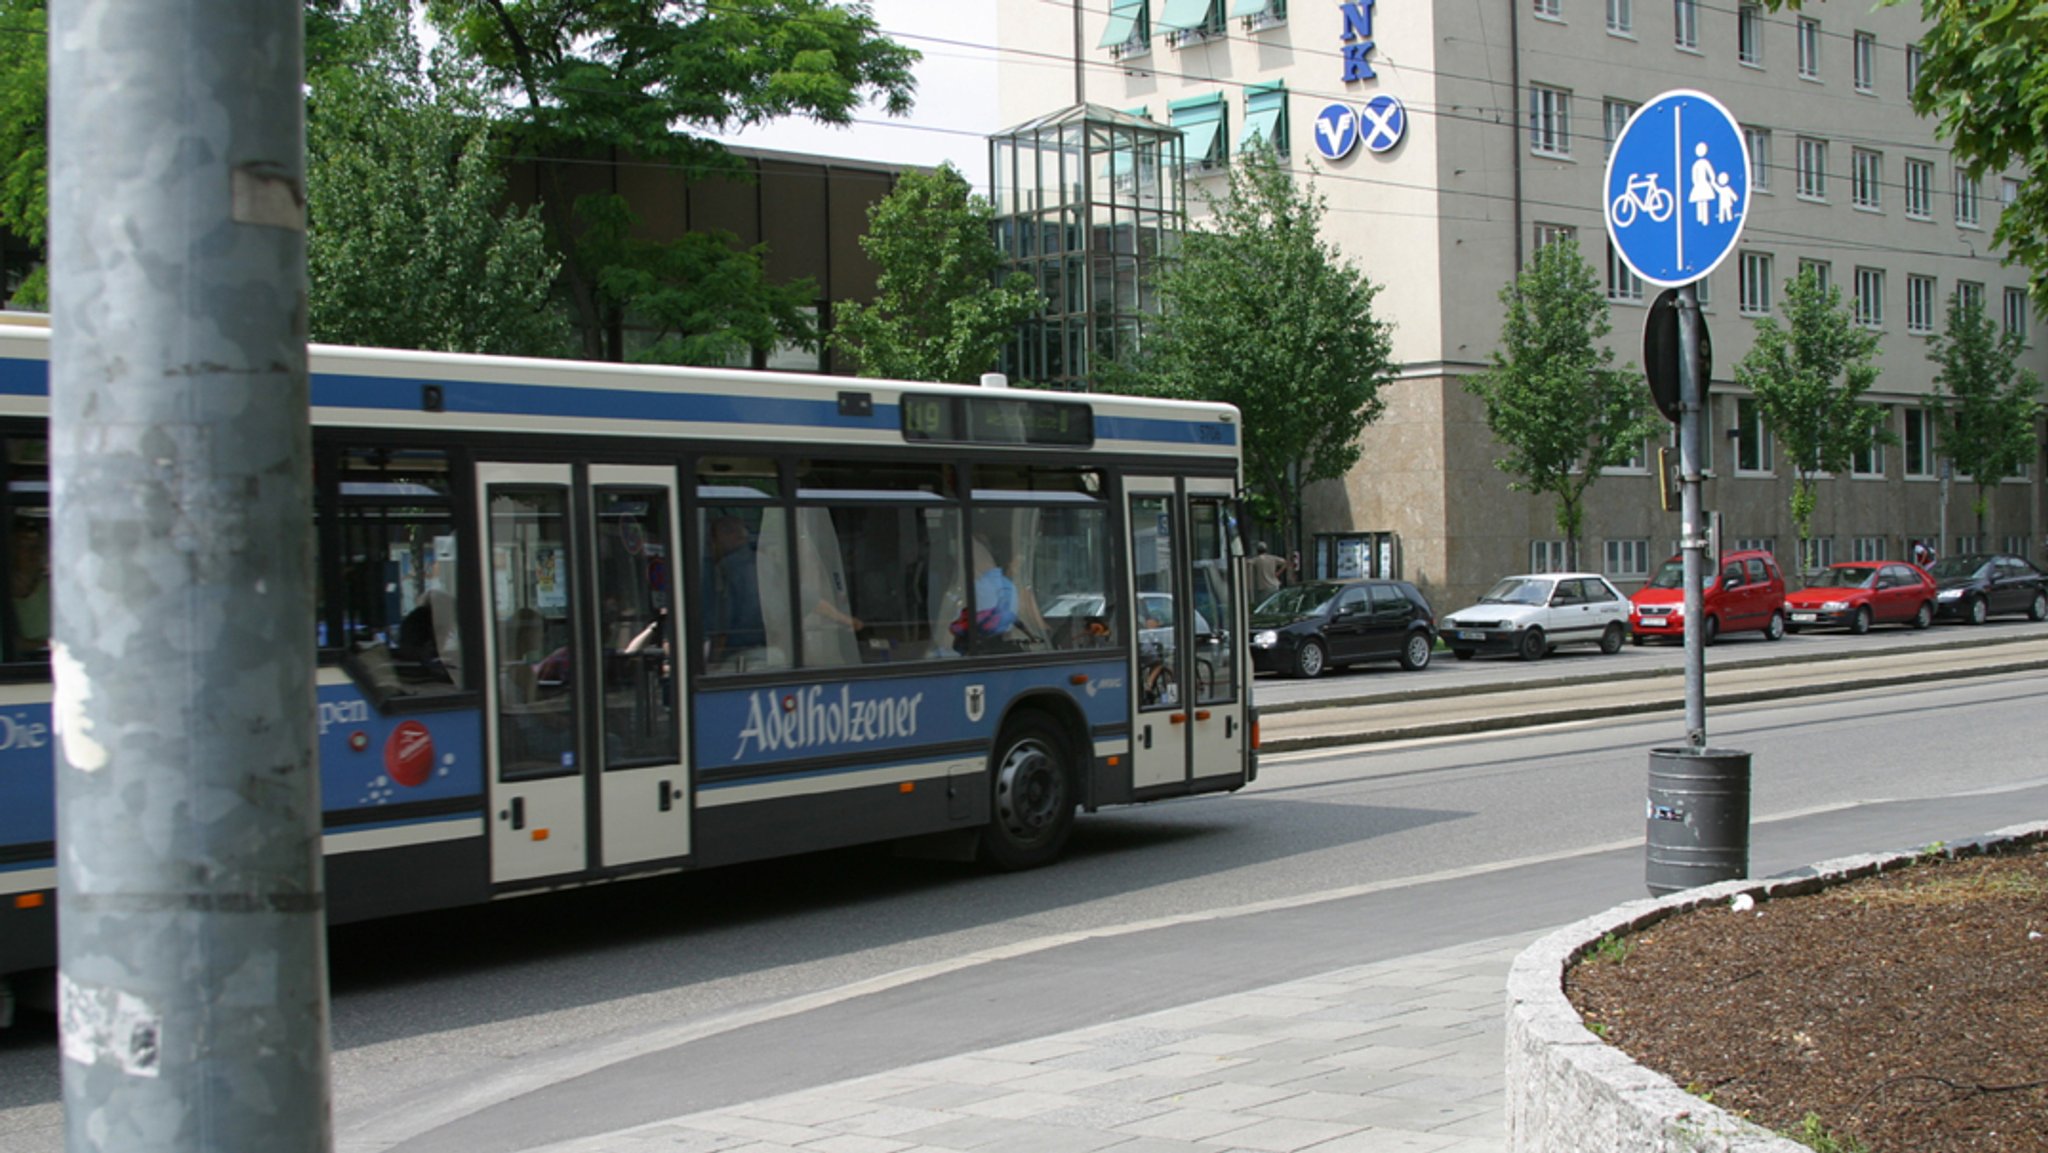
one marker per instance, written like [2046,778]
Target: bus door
[584,736]
[1187,685]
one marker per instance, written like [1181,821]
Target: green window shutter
[1182,15]
[1201,122]
[1265,118]
[1125,18]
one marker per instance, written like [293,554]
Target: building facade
[1479,130]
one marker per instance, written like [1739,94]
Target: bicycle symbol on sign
[1643,193]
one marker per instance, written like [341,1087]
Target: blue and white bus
[583,621]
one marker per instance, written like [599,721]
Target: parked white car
[1531,614]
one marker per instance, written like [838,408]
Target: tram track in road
[1401,715]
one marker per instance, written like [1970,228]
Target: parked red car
[1857,594]
[1746,592]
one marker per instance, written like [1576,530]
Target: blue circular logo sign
[1385,121]
[1336,131]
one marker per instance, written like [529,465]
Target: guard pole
[193,986]
[1693,530]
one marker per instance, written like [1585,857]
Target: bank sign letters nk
[1358,40]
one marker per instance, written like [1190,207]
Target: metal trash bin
[1697,818]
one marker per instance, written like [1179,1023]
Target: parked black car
[1306,628]
[1979,585]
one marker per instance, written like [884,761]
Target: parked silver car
[1533,613]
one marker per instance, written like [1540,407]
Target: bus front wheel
[1031,796]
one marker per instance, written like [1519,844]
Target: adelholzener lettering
[811,718]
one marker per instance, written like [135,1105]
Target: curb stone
[1569,1090]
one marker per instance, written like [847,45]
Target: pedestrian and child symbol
[1677,188]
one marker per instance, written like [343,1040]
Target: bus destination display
[997,420]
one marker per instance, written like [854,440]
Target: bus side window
[396,613]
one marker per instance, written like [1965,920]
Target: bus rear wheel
[1031,796]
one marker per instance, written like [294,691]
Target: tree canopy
[938,313]
[24,154]
[1984,403]
[585,79]
[1553,398]
[1260,312]
[1809,378]
[409,243]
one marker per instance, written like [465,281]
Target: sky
[956,96]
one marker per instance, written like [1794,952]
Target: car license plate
[1470,635]
[1805,618]
[1653,623]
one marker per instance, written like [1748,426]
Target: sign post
[1676,196]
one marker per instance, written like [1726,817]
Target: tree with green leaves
[589,78]
[1982,80]
[1259,311]
[409,242]
[938,313]
[1553,397]
[1984,403]
[24,154]
[1809,378]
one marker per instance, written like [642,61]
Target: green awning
[1265,112]
[1184,14]
[1200,141]
[1123,20]
[1249,7]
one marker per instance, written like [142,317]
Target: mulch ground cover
[1902,1013]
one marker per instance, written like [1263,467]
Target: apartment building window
[1749,35]
[1767,544]
[1919,443]
[1205,136]
[1550,121]
[1822,271]
[1628,559]
[1869,548]
[1621,17]
[1547,556]
[1622,282]
[1755,289]
[1191,21]
[1920,189]
[1130,29]
[1554,9]
[1970,294]
[1549,234]
[1866,185]
[1919,305]
[1614,116]
[1868,461]
[1809,48]
[1817,554]
[1759,142]
[1265,118]
[2018,545]
[1685,24]
[1968,191]
[2008,190]
[1865,67]
[1813,169]
[2016,312]
[1870,297]
[1752,439]
[1915,57]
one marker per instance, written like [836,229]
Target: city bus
[580,622]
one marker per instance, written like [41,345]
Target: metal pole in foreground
[193,986]
[1692,518]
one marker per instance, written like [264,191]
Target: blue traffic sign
[1385,122]
[1677,188]
[1336,131]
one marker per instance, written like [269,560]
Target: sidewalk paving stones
[1400,1056]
